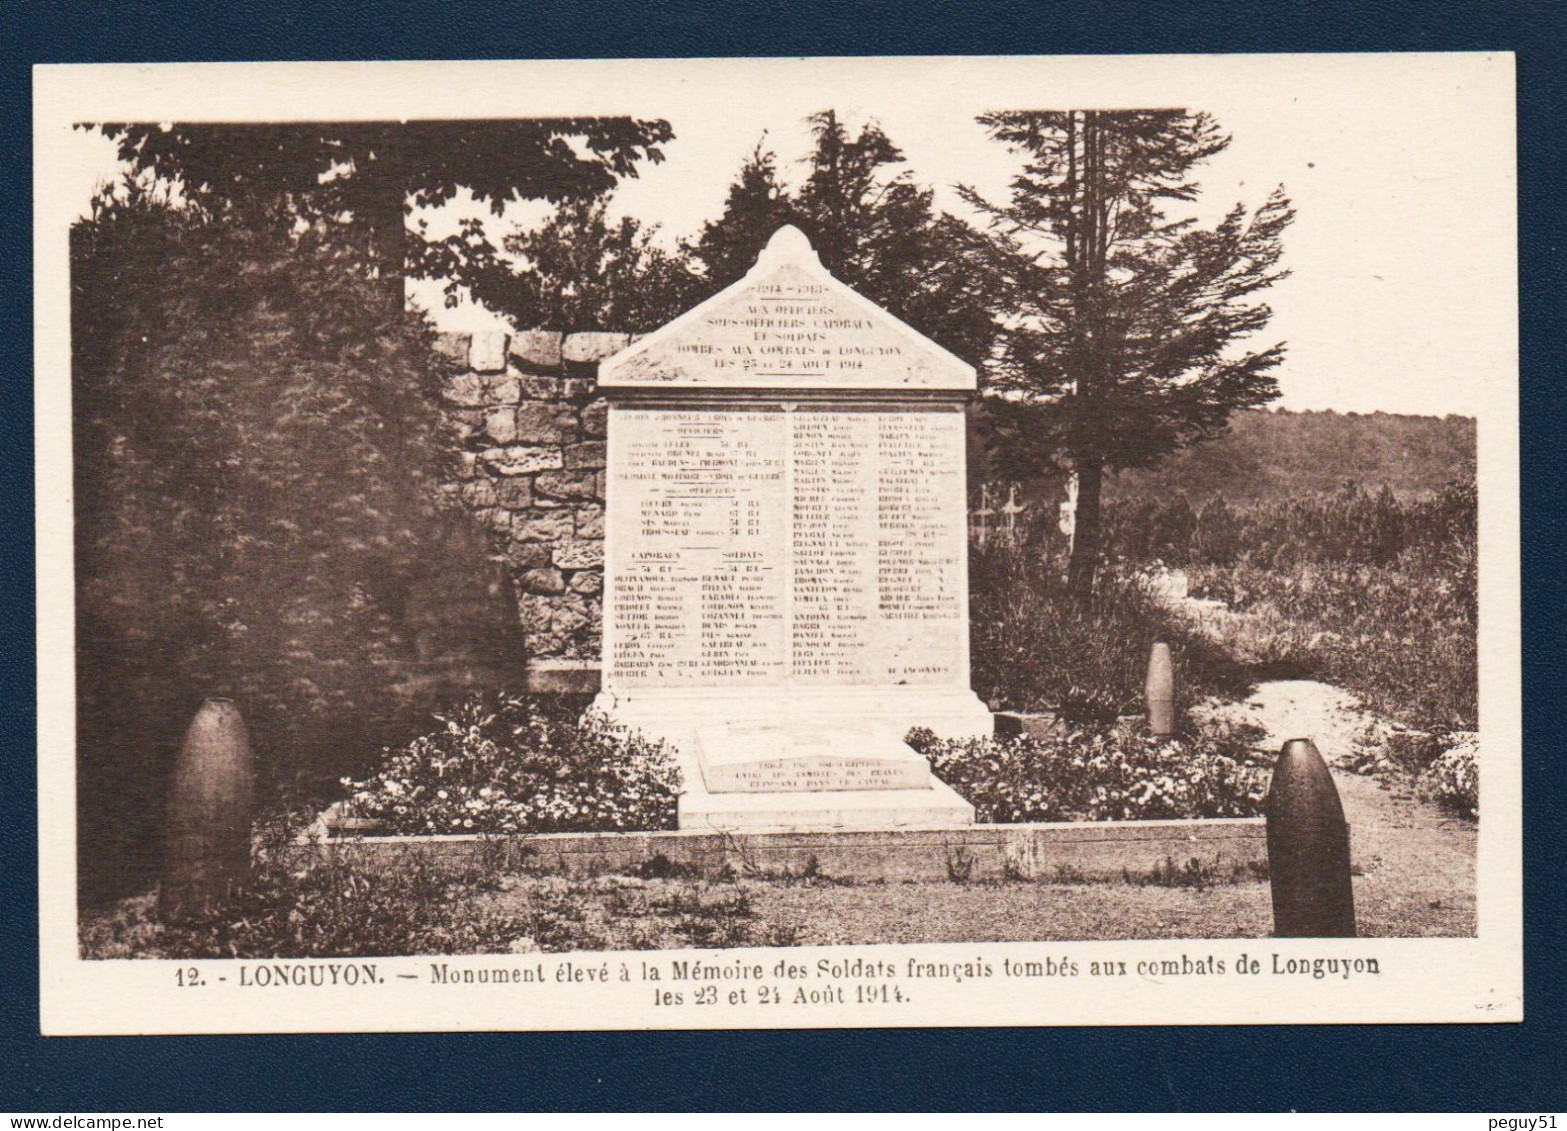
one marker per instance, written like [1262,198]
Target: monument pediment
[788,324]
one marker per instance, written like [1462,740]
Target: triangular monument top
[788,243]
[788,324]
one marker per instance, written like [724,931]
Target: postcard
[776,543]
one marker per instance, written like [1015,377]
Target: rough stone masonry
[530,427]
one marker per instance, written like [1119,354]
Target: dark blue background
[1508,1068]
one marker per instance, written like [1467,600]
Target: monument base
[806,758]
[758,762]
[677,716]
[935,807]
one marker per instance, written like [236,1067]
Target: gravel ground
[1414,864]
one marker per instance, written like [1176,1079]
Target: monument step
[1084,851]
[937,806]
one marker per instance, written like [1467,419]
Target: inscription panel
[878,548]
[816,547]
[696,564]
[806,756]
[804,775]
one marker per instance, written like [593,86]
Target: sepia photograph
[779,542]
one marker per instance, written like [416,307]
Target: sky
[1402,294]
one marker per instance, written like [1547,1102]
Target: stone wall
[530,428]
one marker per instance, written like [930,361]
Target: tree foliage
[756,205]
[256,453]
[874,227]
[872,223]
[580,271]
[1126,317]
[371,172]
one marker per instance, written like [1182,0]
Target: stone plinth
[786,581]
[789,757]
[936,806]
[1088,850]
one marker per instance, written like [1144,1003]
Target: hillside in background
[1273,454]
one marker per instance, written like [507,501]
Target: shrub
[506,764]
[257,446]
[1104,774]
[343,906]
[1453,780]
[1035,646]
[1400,636]
[1352,525]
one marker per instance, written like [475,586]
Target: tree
[875,229]
[756,206]
[1126,319]
[580,272]
[257,451]
[370,172]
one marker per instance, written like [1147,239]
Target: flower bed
[1441,766]
[512,765]
[1453,779]
[509,765]
[1105,774]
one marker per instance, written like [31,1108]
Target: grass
[1034,648]
[473,911]
[337,909]
[352,905]
[621,912]
[1039,912]
[1401,636]
[631,913]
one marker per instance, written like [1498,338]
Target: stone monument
[786,558]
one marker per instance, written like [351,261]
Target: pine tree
[1126,319]
[874,227]
[757,206]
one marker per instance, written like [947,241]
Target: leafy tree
[875,228]
[370,172]
[581,272]
[1126,318]
[256,453]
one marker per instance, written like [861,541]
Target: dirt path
[1415,864]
